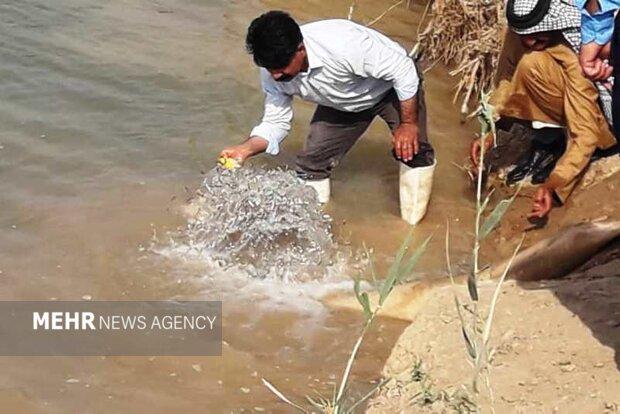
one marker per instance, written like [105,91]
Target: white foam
[216,281]
[260,236]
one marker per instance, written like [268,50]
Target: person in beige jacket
[540,80]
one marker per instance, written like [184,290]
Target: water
[263,221]
[111,113]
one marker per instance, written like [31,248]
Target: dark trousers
[333,133]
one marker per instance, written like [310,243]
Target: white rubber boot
[415,191]
[321,187]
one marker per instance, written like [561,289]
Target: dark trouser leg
[548,145]
[332,134]
[389,110]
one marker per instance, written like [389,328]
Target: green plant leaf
[495,217]
[415,256]
[366,305]
[362,298]
[471,348]
[394,271]
[397,275]
[472,286]
[357,289]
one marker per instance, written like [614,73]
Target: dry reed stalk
[351,10]
[466,35]
[389,9]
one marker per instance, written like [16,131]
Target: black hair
[273,39]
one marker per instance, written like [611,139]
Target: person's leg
[389,110]
[537,92]
[549,87]
[549,143]
[415,176]
[539,97]
[332,134]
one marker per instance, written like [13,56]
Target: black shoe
[547,146]
[544,168]
[526,165]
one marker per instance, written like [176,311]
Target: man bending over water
[541,83]
[352,73]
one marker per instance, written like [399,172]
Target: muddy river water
[109,114]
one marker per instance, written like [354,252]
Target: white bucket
[415,191]
[321,187]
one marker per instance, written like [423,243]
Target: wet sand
[110,113]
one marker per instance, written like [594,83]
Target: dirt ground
[557,342]
[557,348]
[596,197]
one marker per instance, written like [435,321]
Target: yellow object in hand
[229,163]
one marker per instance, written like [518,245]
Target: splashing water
[265,221]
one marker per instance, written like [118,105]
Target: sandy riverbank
[557,342]
[557,345]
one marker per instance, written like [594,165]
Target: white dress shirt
[350,68]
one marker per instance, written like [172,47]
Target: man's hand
[237,152]
[476,147]
[597,70]
[543,201]
[405,141]
[405,138]
[242,152]
[593,61]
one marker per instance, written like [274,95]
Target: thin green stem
[347,370]
[476,252]
[479,205]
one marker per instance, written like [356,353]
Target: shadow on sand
[592,293]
